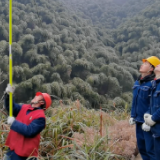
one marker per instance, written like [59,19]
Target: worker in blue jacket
[140,104]
[152,118]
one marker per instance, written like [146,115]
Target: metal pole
[10,59]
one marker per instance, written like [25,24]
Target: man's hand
[148,119]
[145,127]
[132,121]
[9,89]
[10,120]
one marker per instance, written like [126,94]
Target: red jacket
[24,146]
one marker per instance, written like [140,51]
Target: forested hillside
[59,51]
[107,13]
[140,36]
[133,25]
[56,51]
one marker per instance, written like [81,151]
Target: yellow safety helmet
[153,60]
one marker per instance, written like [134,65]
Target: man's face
[145,67]
[37,101]
[157,70]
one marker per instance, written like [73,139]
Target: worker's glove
[9,89]
[10,120]
[132,121]
[148,119]
[146,127]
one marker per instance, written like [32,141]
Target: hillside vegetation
[107,13]
[133,25]
[58,52]
[74,132]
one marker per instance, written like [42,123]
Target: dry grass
[73,132]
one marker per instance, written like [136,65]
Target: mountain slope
[56,51]
[139,37]
[107,13]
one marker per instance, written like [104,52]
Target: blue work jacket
[154,109]
[141,100]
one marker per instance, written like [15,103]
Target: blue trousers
[157,147]
[11,155]
[145,143]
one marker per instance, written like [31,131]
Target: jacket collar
[146,78]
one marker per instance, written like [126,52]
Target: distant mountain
[107,13]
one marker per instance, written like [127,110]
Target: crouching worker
[24,136]
[153,118]
[140,105]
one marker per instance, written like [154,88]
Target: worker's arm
[156,116]
[31,130]
[16,107]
